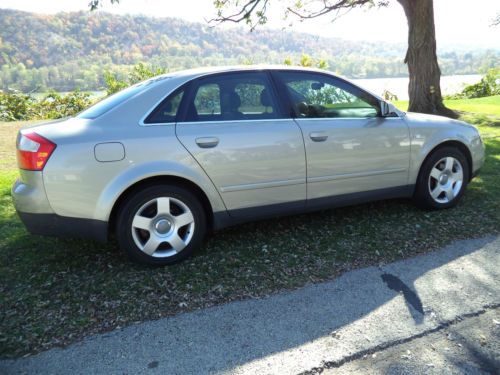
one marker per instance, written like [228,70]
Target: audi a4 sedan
[162,162]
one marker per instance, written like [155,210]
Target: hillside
[69,50]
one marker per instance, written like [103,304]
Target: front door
[233,127]
[350,148]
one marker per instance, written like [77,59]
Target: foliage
[140,72]
[71,50]
[17,106]
[488,86]
[14,106]
[113,84]
[54,105]
[307,61]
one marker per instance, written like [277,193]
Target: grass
[486,106]
[54,291]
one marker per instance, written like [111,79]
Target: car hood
[423,118]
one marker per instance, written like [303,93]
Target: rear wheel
[443,179]
[161,225]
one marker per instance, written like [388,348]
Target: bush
[488,86]
[15,106]
[55,105]
[139,73]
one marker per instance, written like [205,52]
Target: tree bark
[424,89]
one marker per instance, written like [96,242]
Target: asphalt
[469,346]
[314,329]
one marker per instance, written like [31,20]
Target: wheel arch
[162,180]
[462,147]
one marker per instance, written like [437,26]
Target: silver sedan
[164,161]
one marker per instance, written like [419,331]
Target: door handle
[318,136]
[207,142]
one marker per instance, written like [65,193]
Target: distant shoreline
[396,85]
[399,85]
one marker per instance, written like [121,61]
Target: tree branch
[244,11]
[95,4]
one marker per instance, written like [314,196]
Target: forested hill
[69,50]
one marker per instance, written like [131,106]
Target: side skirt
[234,217]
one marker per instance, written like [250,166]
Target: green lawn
[54,291]
[486,106]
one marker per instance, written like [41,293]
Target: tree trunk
[424,89]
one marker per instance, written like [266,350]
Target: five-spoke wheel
[446,179]
[161,225]
[443,178]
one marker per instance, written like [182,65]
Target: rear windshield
[112,101]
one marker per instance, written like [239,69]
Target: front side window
[319,96]
[230,97]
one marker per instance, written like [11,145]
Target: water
[399,86]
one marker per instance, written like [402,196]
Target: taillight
[33,151]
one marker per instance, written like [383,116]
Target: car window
[167,110]
[207,100]
[319,96]
[229,97]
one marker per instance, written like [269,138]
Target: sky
[458,24]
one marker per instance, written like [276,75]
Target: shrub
[139,73]
[15,106]
[54,105]
[489,85]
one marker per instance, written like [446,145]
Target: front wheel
[443,179]
[161,225]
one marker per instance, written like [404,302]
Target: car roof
[237,68]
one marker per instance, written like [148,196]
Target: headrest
[265,98]
[232,101]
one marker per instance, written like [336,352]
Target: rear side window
[207,100]
[230,97]
[167,110]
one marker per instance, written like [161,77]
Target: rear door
[350,148]
[233,126]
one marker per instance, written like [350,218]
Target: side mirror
[384,109]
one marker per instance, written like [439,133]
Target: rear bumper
[61,226]
[33,207]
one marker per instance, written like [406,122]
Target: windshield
[112,101]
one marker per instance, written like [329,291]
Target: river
[399,86]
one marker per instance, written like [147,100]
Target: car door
[232,125]
[350,148]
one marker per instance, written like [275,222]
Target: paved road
[470,346]
[361,312]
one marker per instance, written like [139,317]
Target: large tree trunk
[424,89]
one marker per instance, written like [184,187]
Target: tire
[160,225]
[442,179]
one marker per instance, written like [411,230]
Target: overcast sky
[458,23]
